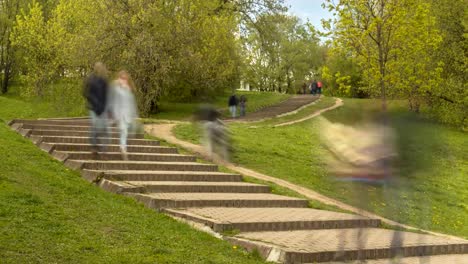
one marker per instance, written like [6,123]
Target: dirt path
[164,131]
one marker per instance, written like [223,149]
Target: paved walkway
[164,131]
[338,103]
[290,105]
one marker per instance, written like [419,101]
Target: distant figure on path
[314,87]
[319,87]
[242,104]
[96,92]
[123,107]
[304,86]
[233,102]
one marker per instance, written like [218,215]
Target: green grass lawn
[49,214]
[432,165]
[183,111]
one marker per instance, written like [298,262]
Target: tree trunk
[6,78]
[380,44]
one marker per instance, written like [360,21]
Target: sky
[309,9]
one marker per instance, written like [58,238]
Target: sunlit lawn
[432,164]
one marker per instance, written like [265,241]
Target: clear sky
[309,9]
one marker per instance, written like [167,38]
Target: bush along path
[281,228]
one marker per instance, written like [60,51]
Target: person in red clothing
[319,87]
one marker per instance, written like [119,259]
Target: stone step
[182,200]
[181,187]
[438,259]
[75,122]
[200,187]
[63,127]
[67,133]
[87,155]
[86,140]
[49,147]
[271,219]
[127,175]
[312,246]
[139,165]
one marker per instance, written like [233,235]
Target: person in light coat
[123,107]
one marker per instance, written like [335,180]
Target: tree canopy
[195,49]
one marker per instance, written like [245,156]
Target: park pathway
[292,104]
[281,228]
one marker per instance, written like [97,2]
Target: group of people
[108,103]
[314,87]
[234,102]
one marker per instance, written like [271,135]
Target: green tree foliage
[409,49]
[9,9]
[449,100]
[390,41]
[182,49]
[341,75]
[36,42]
[281,52]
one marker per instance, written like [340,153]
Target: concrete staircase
[281,228]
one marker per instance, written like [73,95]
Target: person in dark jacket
[314,87]
[233,102]
[96,93]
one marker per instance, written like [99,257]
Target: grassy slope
[433,164]
[49,214]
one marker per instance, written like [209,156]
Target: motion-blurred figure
[123,107]
[96,93]
[242,104]
[215,134]
[362,154]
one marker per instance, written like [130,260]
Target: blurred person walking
[96,90]
[216,137]
[123,107]
[364,162]
[242,104]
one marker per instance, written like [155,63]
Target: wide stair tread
[110,147]
[134,156]
[67,133]
[63,127]
[180,200]
[160,175]
[303,246]
[80,122]
[269,219]
[206,187]
[86,140]
[437,259]
[138,165]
